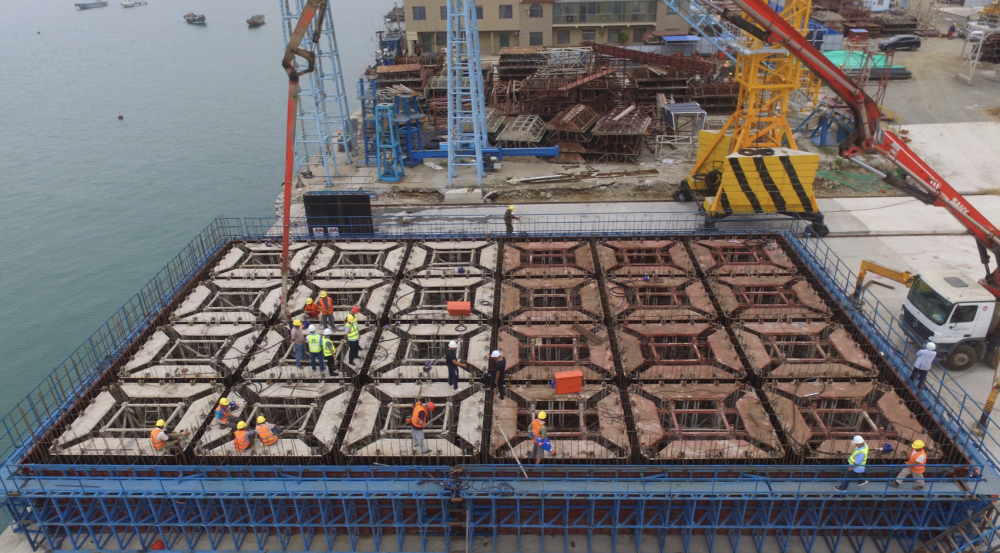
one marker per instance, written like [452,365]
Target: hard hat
[355,309]
[327,332]
[296,322]
[931,346]
[161,423]
[918,444]
[241,425]
[511,208]
[495,354]
[322,294]
[430,405]
[859,440]
[223,401]
[453,344]
[261,419]
[351,319]
[542,415]
[309,300]
[313,329]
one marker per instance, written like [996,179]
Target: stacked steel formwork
[740,421]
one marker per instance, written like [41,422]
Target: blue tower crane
[390,155]
[466,100]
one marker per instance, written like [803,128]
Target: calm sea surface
[92,207]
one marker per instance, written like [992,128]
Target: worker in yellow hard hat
[298,339]
[914,466]
[311,310]
[540,434]
[241,438]
[353,335]
[223,413]
[325,304]
[267,432]
[167,442]
[508,219]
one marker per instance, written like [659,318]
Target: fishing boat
[132,4]
[194,18]
[256,21]
[89,5]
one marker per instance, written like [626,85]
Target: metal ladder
[976,534]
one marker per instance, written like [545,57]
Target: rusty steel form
[572,124]
[545,349]
[803,351]
[768,298]
[517,63]
[715,99]
[652,80]
[682,351]
[527,131]
[618,136]
[503,97]
[684,63]
[548,259]
[551,300]
[701,421]
[409,75]
[739,257]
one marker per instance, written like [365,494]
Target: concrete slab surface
[963,153]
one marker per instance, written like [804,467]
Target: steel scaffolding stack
[466,100]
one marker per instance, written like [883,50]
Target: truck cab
[953,311]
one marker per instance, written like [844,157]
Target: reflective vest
[325,305]
[266,436]
[352,331]
[536,430]
[315,343]
[415,419]
[328,348]
[917,461]
[864,459]
[311,309]
[240,440]
[158,445]
[225,414]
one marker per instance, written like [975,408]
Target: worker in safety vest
[166,441]
[540,434]
[856,465]
[914,466]
[267,433]
[329,351]
[241,438]
[421,414]
[312,309]
[351,328]
[315,348]
[298,338]
[326,309]
[223,413]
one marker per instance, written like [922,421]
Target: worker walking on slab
[267,433]
[311,309]
[421,414]
[508,220]
[167,442]
[353,349]
[914,466]
[499,372]
[315,348]
[856,465]
[329,351]
[298,338]
[241,438]
[540,434]
[922,366]
[451,359]
[325,309]
[224,413]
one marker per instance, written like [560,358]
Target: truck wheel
[683,194]
[961,358]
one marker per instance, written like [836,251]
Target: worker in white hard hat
[451,359]
[855,465]
[508,220]
[167,442]
[498,374]
[922,366]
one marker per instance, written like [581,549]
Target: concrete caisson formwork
[675,352]
[416,351]
[261,260]
[549,259]
[193,351]
[551,300]
[802,350]
[742,257]
[543,350]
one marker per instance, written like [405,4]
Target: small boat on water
[194,18]
[132,4]
[89,5]
[256,21]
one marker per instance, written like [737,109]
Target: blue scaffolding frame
[390,156]
[130,507]
[466,98]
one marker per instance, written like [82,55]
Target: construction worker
[922,366]
[315,348]
[167,442]
[267,433]
[224,414]
[540,434]
[298,339]
[451,359]
[329,350]
[855,465]
[499,372]
[241,438]
[951,30]
[353,349]
[914,466]
[421,414]
[311,309]
[326,309]
[508,219]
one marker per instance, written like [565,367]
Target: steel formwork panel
[647,258]
[352,260]
[545,349]
[548,259]
[768,298]
[659,299]
[551,300]
[234,300]
[742,257]
[803,350]
[426,299]
[261,260]
[681,352]
[274,359]
[452,259]
[192,351]
[369,295]
[416,351]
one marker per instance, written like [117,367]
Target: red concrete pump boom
[920,181]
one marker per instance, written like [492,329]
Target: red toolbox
[569,382]
[459,308]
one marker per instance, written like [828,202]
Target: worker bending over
[167,442]
[241,438]
[329,350]
[914,466]
[311,309]
[856,465]
[267,433]
[224,414]
[540,434]
[421,414]
[353,349]
[326,309]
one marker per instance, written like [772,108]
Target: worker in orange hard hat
[508,220]
[312,309]
[421,415]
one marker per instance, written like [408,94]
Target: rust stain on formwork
[660,299]
[742,257]
[903,421]
[768,297]
[677,351]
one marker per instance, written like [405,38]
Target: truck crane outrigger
[935,306]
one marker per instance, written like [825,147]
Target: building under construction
[724,377]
